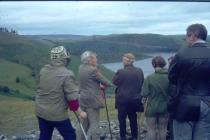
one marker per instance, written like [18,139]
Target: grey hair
[85,57]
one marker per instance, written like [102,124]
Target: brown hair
[199,30]
[158,61]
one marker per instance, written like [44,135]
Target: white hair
[85,57]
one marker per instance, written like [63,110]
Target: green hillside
[23,50]
[18,79]
[110,48]
[21,59]
[146,42]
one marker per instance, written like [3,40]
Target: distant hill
[60,37]
[110,48]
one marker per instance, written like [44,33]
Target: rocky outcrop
[104,131]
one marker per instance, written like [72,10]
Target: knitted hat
[59,53]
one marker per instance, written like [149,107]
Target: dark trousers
[123,112]
[64,127]
[170,129]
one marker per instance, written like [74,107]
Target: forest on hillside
[110,48]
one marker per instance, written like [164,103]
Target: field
[17,115]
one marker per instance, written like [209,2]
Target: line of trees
[6,30]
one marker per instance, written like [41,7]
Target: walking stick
[83,131]
[139,126]
[107,113]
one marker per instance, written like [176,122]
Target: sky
[102,17]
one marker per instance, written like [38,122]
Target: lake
[144,64]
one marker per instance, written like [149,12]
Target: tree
[33,74]
[6,30]
[17,80]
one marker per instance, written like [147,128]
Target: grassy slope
[17,115]
[10,71]
[24,50]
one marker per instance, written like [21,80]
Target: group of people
[179,95]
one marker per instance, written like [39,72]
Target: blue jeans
[199,130]
[64,127]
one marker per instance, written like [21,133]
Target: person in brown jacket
[129,82]
[89,80]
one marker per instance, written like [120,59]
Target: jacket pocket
[188,108]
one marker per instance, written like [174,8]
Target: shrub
[6,89]
[17,80]
[33,74]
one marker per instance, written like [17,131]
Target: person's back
[57,91]
[194,69]
[189,72]
[129,82]
[89,84]
[156,90]
[50,91]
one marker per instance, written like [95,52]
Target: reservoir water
[144,64]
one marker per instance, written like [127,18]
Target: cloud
[102,17]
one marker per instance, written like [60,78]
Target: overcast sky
[102,18]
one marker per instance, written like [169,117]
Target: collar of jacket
[199,43]
[57,62]
[161,70]
[85,64]
[129,65]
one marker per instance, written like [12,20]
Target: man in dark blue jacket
[190,72]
